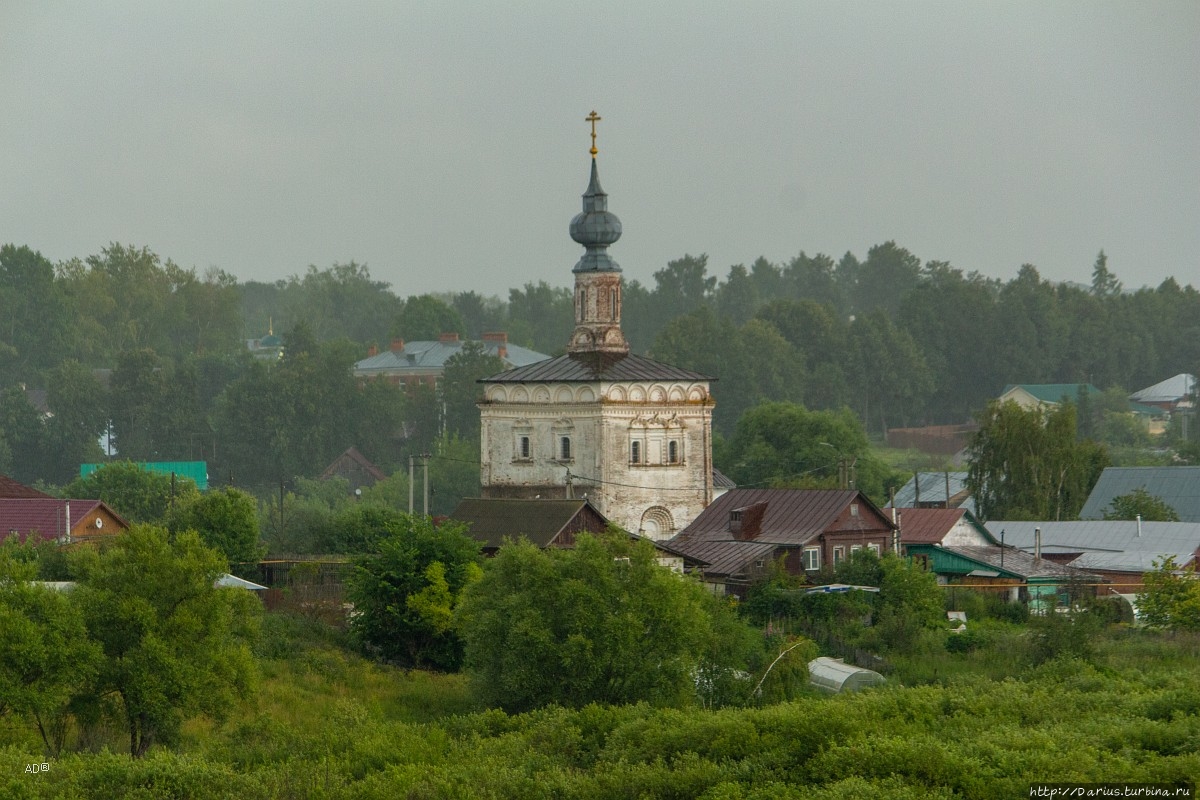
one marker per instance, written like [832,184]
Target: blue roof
[1178,487]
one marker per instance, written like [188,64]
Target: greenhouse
[834,675]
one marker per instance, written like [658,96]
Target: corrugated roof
[11,489]
[927,525]
[932,489]
[492,520]
[590,367]
[1178,487]
[1106,544]
[424,356]
[725,558]
[1020,563]
[1168,391]
[721,480]
[43,517]
[792,516]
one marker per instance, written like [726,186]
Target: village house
[807,530]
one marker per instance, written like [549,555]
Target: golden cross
[593,118]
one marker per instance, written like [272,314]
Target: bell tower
[597,276]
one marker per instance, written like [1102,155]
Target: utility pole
[425,469]
[410,485]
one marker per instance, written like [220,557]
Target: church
[630,434]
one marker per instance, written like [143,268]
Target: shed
[834,675]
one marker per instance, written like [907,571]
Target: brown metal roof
[589,367]
[10,488]
[725,558]
[1021,563]
[792,516]
[927,525]
[492,520]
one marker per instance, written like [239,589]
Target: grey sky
[443,143]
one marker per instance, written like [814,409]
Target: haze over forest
[444,146]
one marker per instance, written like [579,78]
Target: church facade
[630,434]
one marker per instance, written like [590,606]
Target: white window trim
[812,555]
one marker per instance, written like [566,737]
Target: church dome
[596,228]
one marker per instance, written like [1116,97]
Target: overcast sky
[443,143]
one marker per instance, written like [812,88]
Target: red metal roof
[927,525]
[10,488]
[43,517]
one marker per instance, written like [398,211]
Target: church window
[612,303]
[564,448]
[673,452]
[635,452]
[523,452]
[812,558]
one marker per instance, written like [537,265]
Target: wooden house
[743,531]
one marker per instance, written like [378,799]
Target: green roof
[197,471]
[1054,392]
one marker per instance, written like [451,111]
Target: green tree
[138,390]
[33,314]
[425,318]
[460,389]
[226,519]
[786,445]
[683,286]
[600,623]
[1104,283]
[541,316]
[173,644]
[1170,597]
[72,433]
[46,657]
[1029,464]
[24,436]
[406,589]
[1140,503]
[136,494]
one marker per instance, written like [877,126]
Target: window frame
[811,558]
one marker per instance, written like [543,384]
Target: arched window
[673,452]
[635,452]
[524,447]
[564,448]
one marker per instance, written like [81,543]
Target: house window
[635,452]
[839,555]
[874,548]
[672,452]
[759,564]
[564,448]
[854,548]
[812,558]
[854,509]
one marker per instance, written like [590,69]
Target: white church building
[630,434]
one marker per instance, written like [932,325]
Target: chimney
[1037,542]
[397,345]
[500,339]
[372,351]
[448,338]
[1139,522]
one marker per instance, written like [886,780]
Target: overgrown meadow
[983,720]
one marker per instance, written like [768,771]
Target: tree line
[155,354]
